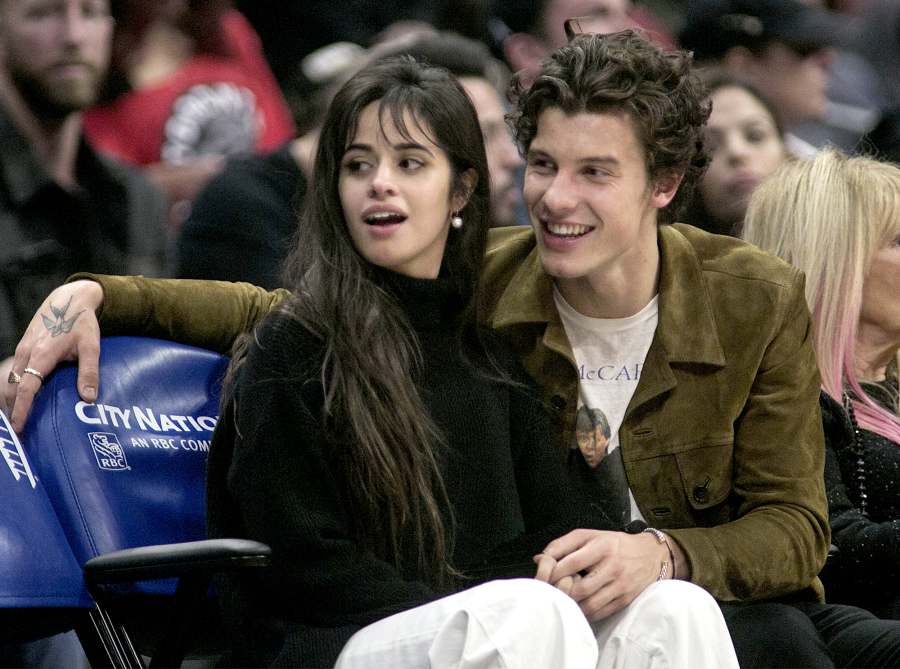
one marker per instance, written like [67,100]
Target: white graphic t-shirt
[609,355]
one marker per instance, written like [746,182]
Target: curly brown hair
[618,72]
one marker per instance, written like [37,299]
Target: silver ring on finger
[33,372]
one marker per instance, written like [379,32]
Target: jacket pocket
[706,474]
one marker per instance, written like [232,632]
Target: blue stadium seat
[125,478]
[41,588]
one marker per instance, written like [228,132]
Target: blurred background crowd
[216,103]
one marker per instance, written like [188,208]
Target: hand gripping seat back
[129,470]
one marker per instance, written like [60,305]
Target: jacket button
[558,402]
[701,494]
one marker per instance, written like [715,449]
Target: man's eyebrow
[606,160]
[532,150]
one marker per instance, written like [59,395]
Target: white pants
[525,623]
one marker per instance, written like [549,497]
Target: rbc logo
[108,451]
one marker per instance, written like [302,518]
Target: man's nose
[75,24]
[560,197]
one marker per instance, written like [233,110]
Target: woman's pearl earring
[456,221]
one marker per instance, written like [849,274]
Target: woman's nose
[382,182]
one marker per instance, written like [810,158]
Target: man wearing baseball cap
[780,46]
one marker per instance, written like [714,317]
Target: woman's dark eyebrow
[358,147]
[406,146]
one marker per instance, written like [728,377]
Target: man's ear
[524,52]
[665,187]
[466,186]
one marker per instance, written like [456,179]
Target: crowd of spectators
[185,87]
[177,139]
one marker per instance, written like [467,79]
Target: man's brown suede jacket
[722,440]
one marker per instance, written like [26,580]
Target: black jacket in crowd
[112,223]
[243,222]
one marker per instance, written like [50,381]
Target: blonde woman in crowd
[838,219]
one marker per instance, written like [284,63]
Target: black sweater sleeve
[288,496]
[869,551]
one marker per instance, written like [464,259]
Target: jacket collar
[528,297]
[687,328]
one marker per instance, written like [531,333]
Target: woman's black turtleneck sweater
[273,477]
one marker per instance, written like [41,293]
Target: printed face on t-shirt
[593,441]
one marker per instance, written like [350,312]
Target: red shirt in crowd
[213,105]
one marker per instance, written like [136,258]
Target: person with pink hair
[838,219]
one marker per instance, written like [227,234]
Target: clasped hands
[602,571]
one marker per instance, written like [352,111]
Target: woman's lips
[743,184]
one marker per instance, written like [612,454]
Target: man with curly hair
[695,348]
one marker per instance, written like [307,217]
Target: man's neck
[54,142]
[619,291]
[163,49]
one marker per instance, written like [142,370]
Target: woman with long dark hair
[345,404]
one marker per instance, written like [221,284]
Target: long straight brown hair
[386,442]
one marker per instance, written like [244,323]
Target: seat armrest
[147,563]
